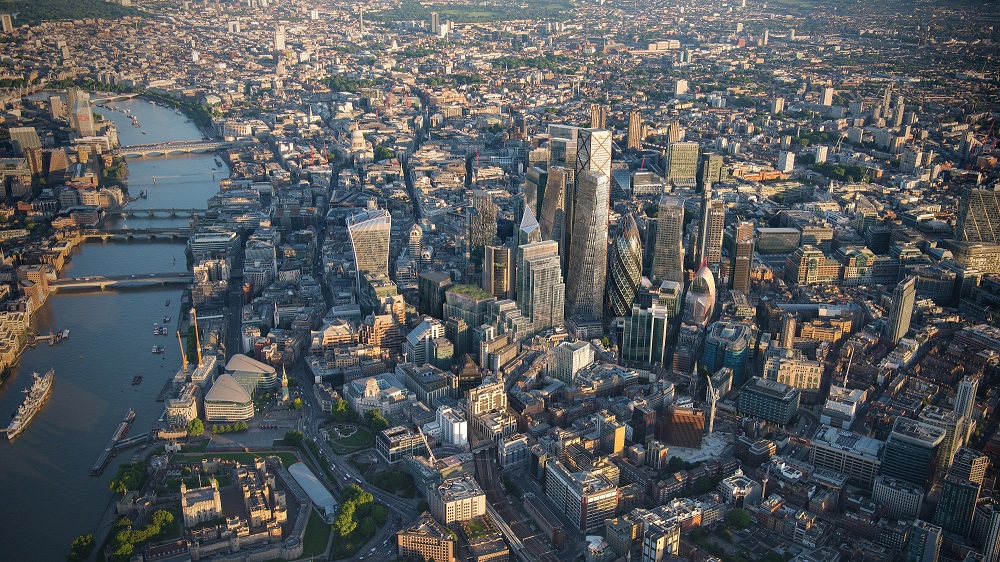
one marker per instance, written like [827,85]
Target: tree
[80,548]
[196,428]
[297,404]
[739,518]
[293,437]
[376,421]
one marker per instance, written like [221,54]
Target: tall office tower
[682,162]
[786,162]
[925,542]
[530,231]
[598,116]
[911,451]
[674,132]
[991,544]
[588,250]
[644,338]
[828,96]
[416,245]
[788,321]
[699,302]
[593,151]
[668,251]
[965,400]
[24,138]
[481,220]
[82,118]
[978,215]
[563,140]
[8,23]
[369,232]
[435,23]
[956,505]
[777,105]
[57,110]
[767,36]
[279,38]
[634,130]
[898,111]
[715,224]
[540,289]
[742,263]
[553,217]
[969,464]
[901,310]
[498,272]
[624,267]
[535,180]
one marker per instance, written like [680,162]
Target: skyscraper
[553,218]
[911,451]
[535,180]
[978,215]
[991,545]
[624,267]
[435,23]
[898,322]
[588,249]
[742,262]
[634,130]
[529,231]
[956,505]
[279,38]
[682,162]
[668,252]
[81,116]
[481,220]
[965,400]
[715,217]
[788,321]
[416,244]
[369,232]
[540,289]
[598,116]
[644,338]
[498,272]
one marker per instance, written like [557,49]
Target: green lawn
[317,535]
[287,459]
[362,438]
[477,528]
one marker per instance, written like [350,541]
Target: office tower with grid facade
[369,232]
[903,297]
[634,141]
[978,215]
[541,293]
[668,251]
[498,272]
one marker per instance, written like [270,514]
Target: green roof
[471,291]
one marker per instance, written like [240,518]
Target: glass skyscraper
[369,232]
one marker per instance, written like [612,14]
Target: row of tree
[359,517]
[230,428]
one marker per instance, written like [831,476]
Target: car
[372,550]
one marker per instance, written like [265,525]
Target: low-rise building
[457,499]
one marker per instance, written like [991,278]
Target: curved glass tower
[624,268]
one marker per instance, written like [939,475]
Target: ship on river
[35,397]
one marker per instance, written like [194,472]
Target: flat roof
[315,489]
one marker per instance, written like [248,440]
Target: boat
[65,334]
[136,380]
[157,349]
[52,342]
[166,319]
[168,303]
[34,398]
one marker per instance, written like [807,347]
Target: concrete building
[199,505]
[660,542]
[457,499]
[382,392]
[898,321]
[454,427]
[587,498]
[911,451]
[901,499]
[426,539]
[853,455]
[768,400]
[397,443]
[682,162]
[570,358]
[925,542]
[956,505]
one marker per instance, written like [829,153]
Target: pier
[109,451]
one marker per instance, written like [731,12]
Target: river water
[48,494]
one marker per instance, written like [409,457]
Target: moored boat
[35,397]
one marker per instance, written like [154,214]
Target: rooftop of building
[427,526]
[849,441]
[771,388]
[463,487]
[226,389]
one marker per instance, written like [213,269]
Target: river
[45,477]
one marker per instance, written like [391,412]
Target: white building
[570,358]
[453,426]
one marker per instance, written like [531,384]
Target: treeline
[341,83]
[839,172]
[33,12]
[128,540]
[358,518]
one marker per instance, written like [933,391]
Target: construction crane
[429,452]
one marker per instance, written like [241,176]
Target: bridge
[113,97]
[154,213]
[169,148]
[137,280]
[132,233]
